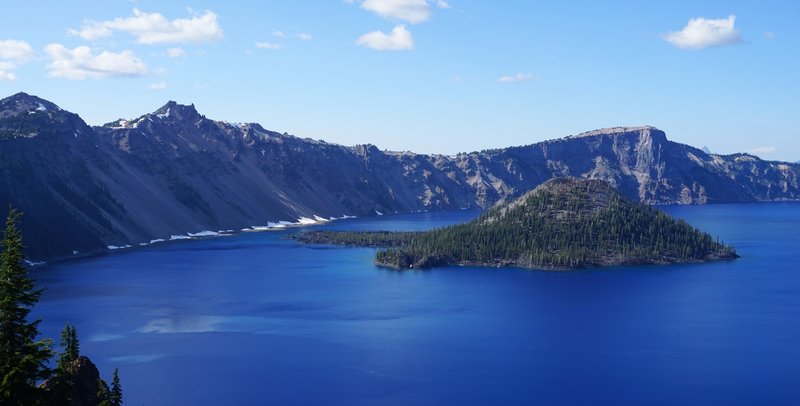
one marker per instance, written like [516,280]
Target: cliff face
[175,171]
[642,164]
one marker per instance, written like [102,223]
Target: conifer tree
[23,359]
[116,389]
[70,345]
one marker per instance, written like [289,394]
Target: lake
[258,319]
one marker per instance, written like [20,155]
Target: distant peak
[172,108]
[23,103]
[24,100]
[617,130]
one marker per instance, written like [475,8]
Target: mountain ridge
[174,171]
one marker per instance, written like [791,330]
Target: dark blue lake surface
[257,319]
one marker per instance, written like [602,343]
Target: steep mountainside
[642,164]
[564,223]
[174,171]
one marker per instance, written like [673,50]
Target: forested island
[565,223]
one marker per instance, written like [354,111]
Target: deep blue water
[256,319]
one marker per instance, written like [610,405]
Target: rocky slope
[174,171]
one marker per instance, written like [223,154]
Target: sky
[430,76]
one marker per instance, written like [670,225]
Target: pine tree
[62,385]
[116,389]
[23,360]
[69,344]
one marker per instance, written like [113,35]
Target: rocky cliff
[174,171]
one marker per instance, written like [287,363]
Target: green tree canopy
[23,358]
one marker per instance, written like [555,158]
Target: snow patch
[306,221]
[157,240]
[179,237]
[258,228]
[41,107]
[378,213]
[119,247]
[204,233]
[164,115]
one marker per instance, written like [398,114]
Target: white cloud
[157,86]
[268,45]
[303,36]
[80,63]
[412,11]
[176,52]
[18,51]
[701,33]
[12,53]
[154,28]
[763,150]
[399,39]
[769,35]
[442,4]
[519,77]
[7,76]
[278,34]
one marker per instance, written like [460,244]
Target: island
[565,223]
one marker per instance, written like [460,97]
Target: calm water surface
[257,319]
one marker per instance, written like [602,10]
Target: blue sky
[424,75]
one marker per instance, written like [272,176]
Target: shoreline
[280,225]
[512,265]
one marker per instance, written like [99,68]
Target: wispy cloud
[157,86]
[702,33]
[769,35]
[268,45]
[519,77]
[154,28]
[303,36]
[398,40]
[176,52]
[81,63]
[762,150]
[412,11]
